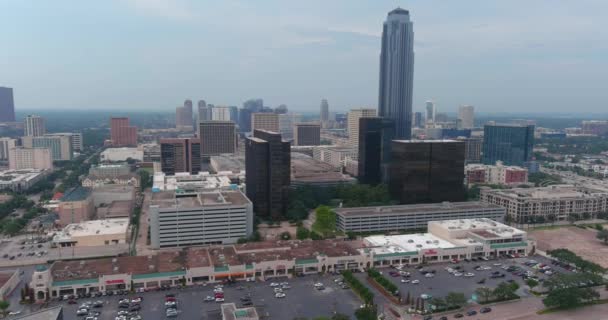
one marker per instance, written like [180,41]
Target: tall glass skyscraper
[511,144]
[397,72]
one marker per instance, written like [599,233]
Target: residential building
[431,111]
[307,134]
[511,144]
[7,105]
[180,155]
[324,112]
[596,127]
[76,138]
[200,218]
[220,114]
[334,155]
[34,126]
[306,171]
[496,174]
[466,115]
[109,170]
[426,171]
[217,137]
[60,146]
[30,158]
[267,171]
[375,136]
[409,217]
[121,133]
[397,72]
[6,144]
[76,206]
[353,123]
[121,154]
[21,180]
[472,149]
[544,204]
[183,116]
[93,233]
[265,121]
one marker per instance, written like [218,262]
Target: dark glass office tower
[180,155]
[7,105]
[267,173]
[375,135]
[426,171]
[511,144]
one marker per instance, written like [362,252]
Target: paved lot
[301,300]
[579,241]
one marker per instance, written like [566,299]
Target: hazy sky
[510,55]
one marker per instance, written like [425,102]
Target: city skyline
[137,46]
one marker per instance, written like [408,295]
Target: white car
[458,274]
[218,286]
[486,268]
[284,283]
[136,300]
[497,264]
[218,290]
[250,279]
[405,280]
[425,296]
[318,284]
[171,313]
[415,281]
[469,274]
[14,313]
[219,299]
[274,284]
[429,275]
[278,290]
[279,295]
[209,298]
[404,273]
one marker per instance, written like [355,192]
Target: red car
[72,301]
[219,295]
[170,299]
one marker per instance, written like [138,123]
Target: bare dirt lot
[580,241]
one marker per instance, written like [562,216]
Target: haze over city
[515,56]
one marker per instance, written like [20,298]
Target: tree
[455,299]
[438,302]
[531,283]
[340,316]
[569,297]
[505,290]
[484,293]
[325,219]
[285,236]
[302,233]
[4,306]
[602,235]
[367,313]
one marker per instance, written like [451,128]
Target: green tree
[4,306]
[531,283]
[569,297]
[145,180]
[302,233]
[484,293]
[455,299]
[505,290]
[340,316]
[367,313]
[438,302]
[325,220]
[602,235]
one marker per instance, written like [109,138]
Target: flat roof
[482,227]
[418,208]
[76,194]
[307,169]
[429,141]
[93,227]
[45,314]
[231,312]
[202,180]
[19,175]
[551,192]
[168,199]
[407,243]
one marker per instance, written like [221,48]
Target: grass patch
[552,310]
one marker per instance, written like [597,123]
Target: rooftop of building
[6,275]
[76,194]
[109,166]
[92,228]
[417,208]
[429,141]
[482,227]
[20,175]
[228,163]
[406,243]
[307,169]
[562,191]
[114,188]
[168,199]
[203,180]
[52,313]
[121,149]
[231,312]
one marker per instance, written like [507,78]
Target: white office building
[34,126]
[180,219]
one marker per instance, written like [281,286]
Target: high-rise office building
[254,105]
[472,149]
[431,111]
[418,120]
[34,126]
[466,115]
[265,121]
[6,144]
[397,72]
[30,158]
[244,120]
[220,114]
[234,114]
[281,109]
[307,134]
[60,146]
[217,137]
[375,136]
[77,144]
[324,112]
[426,171]
[268,173]
[204,112]
[511,144]
[7,105]
[180,155]
[441,117]
[286,122]
[121,133]
[183,116]
[353,123]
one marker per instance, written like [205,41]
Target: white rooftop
[483,227]
[406,243]
[12,176]
[201,181]
[92,227]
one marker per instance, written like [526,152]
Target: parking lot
[302,300]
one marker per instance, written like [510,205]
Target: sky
[500,56]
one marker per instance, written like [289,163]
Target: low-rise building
[496,174]
[76,206]
[93,233]
[116,209]
[203,181]
[182,218]
[228,163]
[552,203]
[21,180]
[109,170]
[105,195]
[129,179]
[121,154]
[334,155]
[411,216]
[308,171]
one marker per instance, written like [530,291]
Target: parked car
[485,310]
